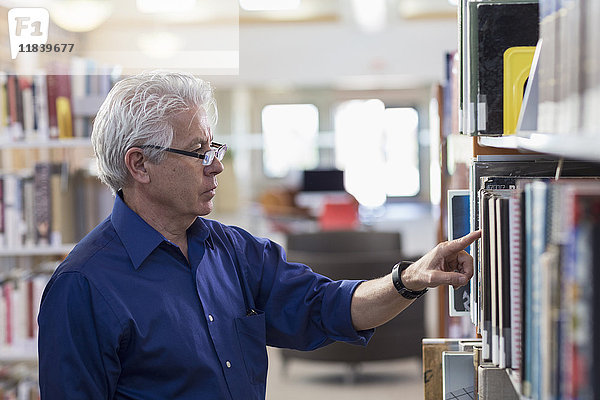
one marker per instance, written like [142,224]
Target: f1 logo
[27,26]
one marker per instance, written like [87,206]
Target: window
[289,138]
[378,149]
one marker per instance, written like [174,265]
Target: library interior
[359,135]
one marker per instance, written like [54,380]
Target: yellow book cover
[64,118]
[517,63]
[3,103]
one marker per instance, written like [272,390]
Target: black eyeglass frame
[218,149]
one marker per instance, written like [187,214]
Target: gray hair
[138,111]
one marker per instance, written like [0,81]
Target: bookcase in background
[50,196]
[539,254]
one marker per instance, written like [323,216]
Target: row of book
[59,103]
[20,295]
[496,44]
[569,67]
[50,206]
[19,306]
[534,278]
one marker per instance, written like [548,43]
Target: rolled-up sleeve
[79,337]
[304,310]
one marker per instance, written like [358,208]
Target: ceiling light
[269,5]
[159,44]
[370,14]
[80,15]
[161,6]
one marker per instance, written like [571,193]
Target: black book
[504,277]
[501,26]
[486,284]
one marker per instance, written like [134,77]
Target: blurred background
[331,111]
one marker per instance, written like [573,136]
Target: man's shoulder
[230,232]
[100,243]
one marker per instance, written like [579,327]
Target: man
[158,303]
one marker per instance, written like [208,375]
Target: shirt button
[210,318]
[228,364]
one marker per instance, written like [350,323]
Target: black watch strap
[397,280]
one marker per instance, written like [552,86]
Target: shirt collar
[139,238]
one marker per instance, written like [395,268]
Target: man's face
[184,185]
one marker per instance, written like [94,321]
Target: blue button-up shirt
[126,316]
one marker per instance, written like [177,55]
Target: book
[432,365]
[43,202]
[458,375]
[2,229]
[458,226]
[63,205]
[504,287]
[60,118]
[501,26]
[41,106]
[26,88]
[515,293]
[12,222]
[516,68]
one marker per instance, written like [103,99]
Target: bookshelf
[536,197]
[49,194]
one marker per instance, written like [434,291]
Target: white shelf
[565,145]
[26,353]
[505,142]
[36,251]
[46,143]
[576,145]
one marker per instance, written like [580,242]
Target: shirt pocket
[251,332]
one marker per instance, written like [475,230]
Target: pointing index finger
[459,244]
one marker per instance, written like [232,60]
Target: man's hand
[377,301]
[447,263]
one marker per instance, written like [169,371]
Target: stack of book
[50,206]
[535,274]
[57,103]
[569,67]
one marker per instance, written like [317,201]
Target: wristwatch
[397,280]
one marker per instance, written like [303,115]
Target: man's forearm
[375,302]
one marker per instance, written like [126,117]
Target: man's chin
[206,208]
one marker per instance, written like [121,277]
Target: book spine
[41,106]
[2,229]
[515,280]
[43,206]
[52,87]
[25,84]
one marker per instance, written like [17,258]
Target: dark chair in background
[359,255]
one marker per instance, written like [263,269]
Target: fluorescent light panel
[160,6]
[269,5]
[370,14]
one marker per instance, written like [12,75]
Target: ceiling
[341,10]
[319,43]
[217,10]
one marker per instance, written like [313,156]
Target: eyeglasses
[218,150]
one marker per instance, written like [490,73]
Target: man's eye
[198,150]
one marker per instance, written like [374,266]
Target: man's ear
[136,164]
